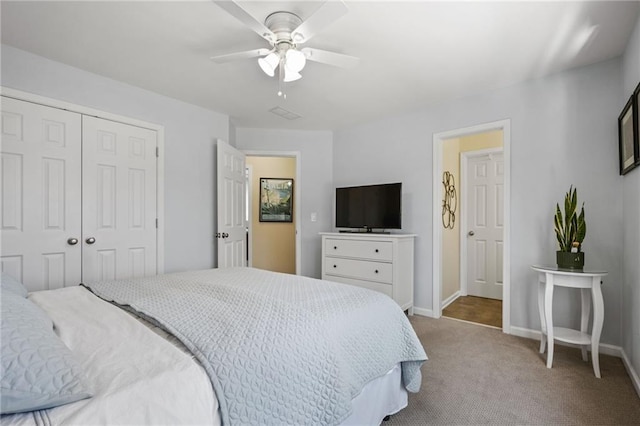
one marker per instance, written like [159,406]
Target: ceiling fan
[285,32]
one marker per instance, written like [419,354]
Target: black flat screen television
[369,207]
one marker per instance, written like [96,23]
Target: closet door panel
[40,195]
[119,200]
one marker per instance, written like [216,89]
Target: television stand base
[368,231]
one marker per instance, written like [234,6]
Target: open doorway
[272,245]
[471,224]
[473,236]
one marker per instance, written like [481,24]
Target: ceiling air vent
[284,113]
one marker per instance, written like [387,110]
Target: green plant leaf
[567,210]
[581,231]
[559,228]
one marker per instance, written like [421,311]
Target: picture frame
[636,110]
[276,200]
[628,136]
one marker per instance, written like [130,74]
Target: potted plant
[570,232]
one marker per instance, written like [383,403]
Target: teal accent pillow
[7,282]
[37,370]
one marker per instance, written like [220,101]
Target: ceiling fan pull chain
[281,78]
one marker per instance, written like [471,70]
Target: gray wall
[190,134]
[630,312]
[315,184]
[563,132]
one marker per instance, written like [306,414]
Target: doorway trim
[249,198]
[296,196]
[438,143]
[464,158]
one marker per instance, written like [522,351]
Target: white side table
[550,276]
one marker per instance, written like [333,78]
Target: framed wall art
[276,200]
[628,136]
[636,120]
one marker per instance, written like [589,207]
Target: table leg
[543,327]
[598,318]
[584,323]
[548,315]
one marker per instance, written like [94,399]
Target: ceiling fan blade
[221,59]
[330,58]
[234,9]
[329,12]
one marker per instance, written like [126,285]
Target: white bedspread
[145,381]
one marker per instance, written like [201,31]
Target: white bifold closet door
[41,195]
[118,200]
[78,197]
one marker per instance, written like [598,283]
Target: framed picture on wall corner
[628,136]
[636,120]
[276,200]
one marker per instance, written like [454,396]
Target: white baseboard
[449,300]
[633,374]
[423,312]
[605,348]
[524,332]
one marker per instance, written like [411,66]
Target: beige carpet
[480,376]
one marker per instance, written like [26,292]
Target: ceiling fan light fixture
[290,75]
[295,60]
[269,63]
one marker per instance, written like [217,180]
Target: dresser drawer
[374,250]
[359,269]
[381,287]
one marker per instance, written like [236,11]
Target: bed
[221,346]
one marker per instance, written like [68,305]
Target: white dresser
[381,262]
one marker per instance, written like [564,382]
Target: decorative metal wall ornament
[450,202]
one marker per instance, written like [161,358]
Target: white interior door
[119,235]
[40,195]
[231,233]
[484,203]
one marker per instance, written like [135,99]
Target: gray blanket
[279,349]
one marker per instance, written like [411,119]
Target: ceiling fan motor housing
[282,25]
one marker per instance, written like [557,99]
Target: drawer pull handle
[335,266]
[376,271]
[335,248]
[377,251]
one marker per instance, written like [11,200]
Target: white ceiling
[413,54]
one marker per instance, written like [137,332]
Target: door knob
[90,240]
[471,233]
[72,241]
